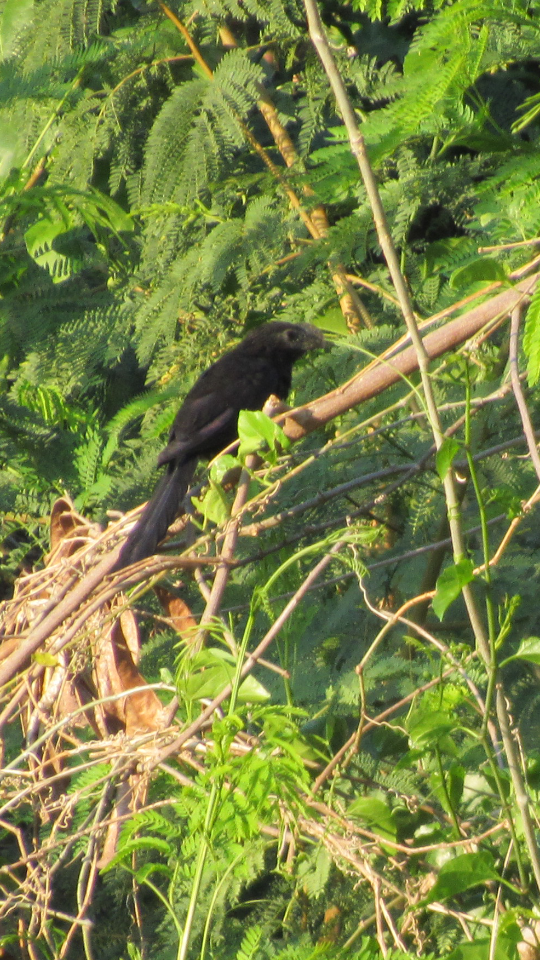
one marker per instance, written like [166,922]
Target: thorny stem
[316,222]
[252,140]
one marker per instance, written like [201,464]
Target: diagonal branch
[372,381]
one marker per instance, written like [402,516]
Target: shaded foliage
[146,224]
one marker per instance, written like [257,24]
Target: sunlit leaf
[529,649]
[450,584]
[376,815]
[212,670]
[484,269]
[445,456]
[462,872]
[256,431]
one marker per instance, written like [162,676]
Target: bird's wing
[198,442]
[207,420]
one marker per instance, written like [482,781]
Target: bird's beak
[323,343]
[319,341]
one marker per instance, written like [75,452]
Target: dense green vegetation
[171,176]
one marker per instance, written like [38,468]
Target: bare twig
[227,553]
[253,657]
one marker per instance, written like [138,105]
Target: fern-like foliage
[148,219]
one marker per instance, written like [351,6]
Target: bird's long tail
[160,511]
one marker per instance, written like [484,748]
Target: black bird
[207,421]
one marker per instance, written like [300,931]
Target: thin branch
[227,553]
[253,657]
[380,375]
[528,429]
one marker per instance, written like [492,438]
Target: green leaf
[97,209]
[452,788]
[148,869]
[531,338]
[428,729]
[39,239]
[210,671]
[446,455]
[484,270]
[222,466]
[529,649]
[505,949]
[461,873]
[313,874]
[256,430]
[450,584]
[333,321]
[46,659]
[14,17]
[214,505]
[375,814]
[150,844]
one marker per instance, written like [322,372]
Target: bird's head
[291,339]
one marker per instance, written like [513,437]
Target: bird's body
[207,421]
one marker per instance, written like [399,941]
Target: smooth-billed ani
[207,421]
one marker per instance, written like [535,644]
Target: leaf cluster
[150,215]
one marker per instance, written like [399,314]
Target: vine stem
[358,148]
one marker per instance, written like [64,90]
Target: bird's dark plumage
[207,421]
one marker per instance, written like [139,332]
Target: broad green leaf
[333,321]
[499,785]
[427,730]
[483,270]
[446,455]
[505,949]
[450,584]
[256,430]
[214,505]
[222,466]
[529,649]
[375,814]
[210,671]
[45,659]
[452,787]
[462,872]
